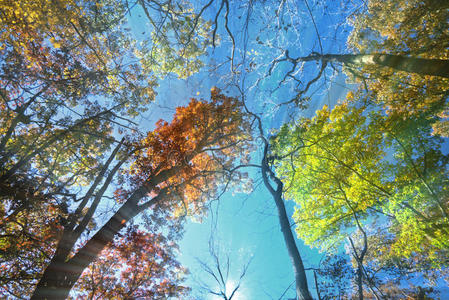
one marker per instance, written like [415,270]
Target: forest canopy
[125,122]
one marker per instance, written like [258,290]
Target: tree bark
[61,274]
[302,289]
[421,66]
[360,280]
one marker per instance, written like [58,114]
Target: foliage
[136,265]
[203,142]
[171,172]
[62,81]
[175,46]
[71,79]
[330,163]
[412,28]
[27,240]
[339,166]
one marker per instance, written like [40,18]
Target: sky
[246,226]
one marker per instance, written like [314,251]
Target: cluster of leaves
[203,143]
[411,28]
[136,265]
[27,240]
[331,160]
[352,165]
[177,45]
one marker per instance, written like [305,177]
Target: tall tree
[340,174]
[276,189]
[405,28]
[71,80]
[170,169]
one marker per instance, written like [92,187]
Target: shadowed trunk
[302,289]
[421,66]
[61,274]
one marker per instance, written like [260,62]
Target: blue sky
[247,227]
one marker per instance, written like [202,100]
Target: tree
[276,189]
[395,274]
[369,188]
[302,289]
[171,166]
[341,176]
[339,158]
[55,74]
[47,76]
[410,28]
[322,179]
[398,51]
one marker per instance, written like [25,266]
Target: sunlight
[240,294]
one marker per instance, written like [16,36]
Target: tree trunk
[302,289]
[360,280]
[421,66]
[61,274]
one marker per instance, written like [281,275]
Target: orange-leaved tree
[175,168]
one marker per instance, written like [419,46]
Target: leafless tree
[218,269]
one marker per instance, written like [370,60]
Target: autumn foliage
[410,28]
[135,265]
[200,143]
[174,170]
[71,81]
